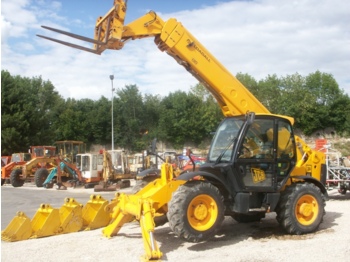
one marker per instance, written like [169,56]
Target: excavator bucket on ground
[71,216]
[47,221]
[20,228]
[94,214]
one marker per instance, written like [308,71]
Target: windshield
[85,163]
[225,139]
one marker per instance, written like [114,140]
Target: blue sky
[259,37]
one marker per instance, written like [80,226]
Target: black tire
[40,176]
[196,211]
[248,218]
[342,190]
[2,181]
[15,178]
[297,198]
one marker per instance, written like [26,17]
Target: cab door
[265,155]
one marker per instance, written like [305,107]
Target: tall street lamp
[112,77]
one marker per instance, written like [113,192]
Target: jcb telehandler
[255,163]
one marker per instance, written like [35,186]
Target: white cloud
[255,37]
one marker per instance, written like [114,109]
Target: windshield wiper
[231,142]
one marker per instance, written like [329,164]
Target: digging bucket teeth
[94,213]
[20,228]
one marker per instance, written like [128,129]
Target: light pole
[112,77]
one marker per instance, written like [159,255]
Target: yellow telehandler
[255,163]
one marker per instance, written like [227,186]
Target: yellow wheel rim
[202,212]
[306,210]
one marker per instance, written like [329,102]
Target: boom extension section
[174,39]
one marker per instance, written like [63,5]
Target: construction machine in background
[36,165]
[92,170]
[58,170]
[7,165]
[69,149]
[255,163]
[23,166]
[135,162]
[338,170]
[152,161]
[115,175]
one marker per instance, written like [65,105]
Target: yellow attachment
[71,216]
[19,228]
[94,214]
[309,161]
[46,222]
[147,228]
[143,206]
[306,210]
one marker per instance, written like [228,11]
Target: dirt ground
[263,241]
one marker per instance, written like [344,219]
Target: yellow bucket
[71,216]
[20,228]
[94,214]
[46,222]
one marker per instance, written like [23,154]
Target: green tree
[130,118]
[28,106]
[209,113]
[188,117]
[100,119]
[249,82]
[152,111]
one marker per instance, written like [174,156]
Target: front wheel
[40,176]
[196,211]
[301,208]
[15,178]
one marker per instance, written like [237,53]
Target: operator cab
[258,150]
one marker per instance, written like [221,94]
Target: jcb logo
[258,175]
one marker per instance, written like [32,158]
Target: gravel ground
[263,241]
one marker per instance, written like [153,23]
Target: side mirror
[250,116]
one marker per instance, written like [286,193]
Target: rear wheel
[2,181]
[301,208]
[15,178]
[40,176]
[196,211]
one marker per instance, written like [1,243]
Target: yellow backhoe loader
[115,173]
[255,163]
